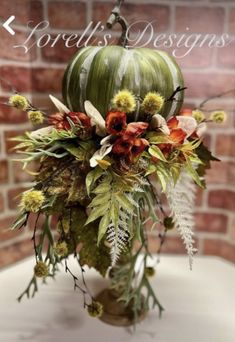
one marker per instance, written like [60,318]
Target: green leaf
[157,153]
[193,173]
[21,219]
[114,213]
[97,212]
[102,188]
[162,180]
[99,199]
[124,202]
[151,169]
[75,151]
[103,226]
[175,172]
[158,139]
[92,177]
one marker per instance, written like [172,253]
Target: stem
[114,18]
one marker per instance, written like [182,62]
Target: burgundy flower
[138,147]
[60,120]
[122,146]
[115,122]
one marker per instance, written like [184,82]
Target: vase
[116,312]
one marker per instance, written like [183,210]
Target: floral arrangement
[100,182]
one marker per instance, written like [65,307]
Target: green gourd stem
[114,18]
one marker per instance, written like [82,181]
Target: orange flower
[115,122]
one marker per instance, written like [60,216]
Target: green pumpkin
[98,73]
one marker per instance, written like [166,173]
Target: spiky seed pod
[218,116]
[36,117]
[198,115]
[32,200]
[41,270]
[95,309]
[19,102]
[124,101]
[61,249]
[153,103]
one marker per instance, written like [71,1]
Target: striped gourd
[98,73]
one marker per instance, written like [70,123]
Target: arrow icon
[7,23]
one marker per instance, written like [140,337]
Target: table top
[199,306]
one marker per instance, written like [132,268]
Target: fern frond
[118,239]
[181,201]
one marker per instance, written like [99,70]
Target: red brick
[59,52]
[9,145]
[16,54]
[232,230]
[46,80]
[14,196]
[221,173]
[1,203]
[225,145]
[224,199]
[10,115]
[226,56]
[232,21]
[5,232]
[18,77]
[199,19]
[15,252]
[21,176]
[217,174]
[68,15]
[231,173]
[3,171]
[24,10]
[43,102]
[211,222]
[159,14]
[221,248]
[196,58]
[204,85]
[172,244]
[199,197]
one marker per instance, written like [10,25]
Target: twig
[177,90]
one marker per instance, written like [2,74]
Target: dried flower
[115,122]
[149,271]
[135,129]
[124,101]
[36,117]
[41,270]
[152,103]
[19,102]
[198,115]
[61,249]
[32,200]
[218,116]
[60,121]
[95,309]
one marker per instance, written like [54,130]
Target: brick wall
[207,71]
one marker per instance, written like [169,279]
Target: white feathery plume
[181,201]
